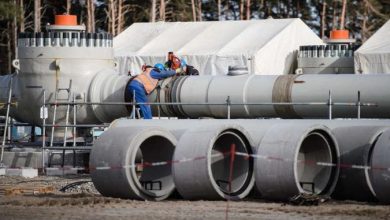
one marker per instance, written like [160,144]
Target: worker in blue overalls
[143,84]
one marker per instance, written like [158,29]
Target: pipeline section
[66,64]
[249,96]
[245,91]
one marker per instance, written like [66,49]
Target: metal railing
[228,103]
[53,125]
[329,102]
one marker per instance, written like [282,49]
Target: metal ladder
[68,108]
[7,118]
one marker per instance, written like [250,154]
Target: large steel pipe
[379,163]
[356,144]
[275,89]
[289,156]
[114,160]
[108,86]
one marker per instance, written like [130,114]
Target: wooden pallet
[11,190]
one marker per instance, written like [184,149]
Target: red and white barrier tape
[246,155]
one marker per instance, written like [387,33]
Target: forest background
[361,17]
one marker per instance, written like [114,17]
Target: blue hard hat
[159,66]
[183,63]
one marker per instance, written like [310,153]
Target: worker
[143,84]
[173,61]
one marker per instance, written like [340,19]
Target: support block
[2,171]
[23,172]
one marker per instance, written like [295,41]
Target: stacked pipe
[279,158]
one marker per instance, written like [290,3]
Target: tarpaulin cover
[266,47]
[374,55]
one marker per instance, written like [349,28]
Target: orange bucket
[69,20]
[339,34]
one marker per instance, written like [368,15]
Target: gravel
[84,202]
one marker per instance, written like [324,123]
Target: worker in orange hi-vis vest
[143,84]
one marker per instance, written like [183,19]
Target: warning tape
[242,154]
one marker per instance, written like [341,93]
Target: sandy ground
[84,202]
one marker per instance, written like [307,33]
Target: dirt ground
[84,202]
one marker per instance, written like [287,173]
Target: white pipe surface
[257,89]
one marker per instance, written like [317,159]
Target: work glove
[178,71]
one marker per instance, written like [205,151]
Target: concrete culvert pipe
[210,176]
[288,161]
[315,147]
[354,137]
[119,149]
[355,143]
[379,174]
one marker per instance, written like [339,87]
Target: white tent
[374,55]
[264,46]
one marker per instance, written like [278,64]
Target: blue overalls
[140,92]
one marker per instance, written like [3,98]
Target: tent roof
[212,37]
[379,42]
[265,46]
[374,55]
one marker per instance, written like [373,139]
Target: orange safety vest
[146,79]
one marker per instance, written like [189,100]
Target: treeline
[361,17]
